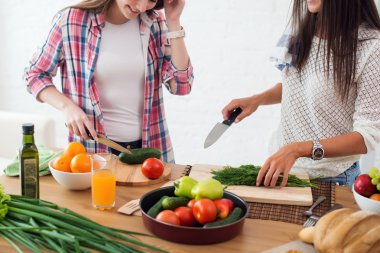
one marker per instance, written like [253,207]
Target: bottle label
[30,184]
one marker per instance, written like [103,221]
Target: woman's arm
[45,62]
[283,160]
[179,57]
[38,75]
[250,104]
[177,67]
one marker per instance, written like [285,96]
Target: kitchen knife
[220,128]
[110,143]
[113,145]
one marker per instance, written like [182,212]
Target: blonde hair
[93,5]
[103,5]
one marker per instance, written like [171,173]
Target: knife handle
[88,133]
[232,117]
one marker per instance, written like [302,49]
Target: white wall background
[229,42]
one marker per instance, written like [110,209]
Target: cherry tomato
[185,215]
[152,168]
[224,207]
[191,203]
[204,211]
[168,216]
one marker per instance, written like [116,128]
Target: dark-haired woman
[114,56]
[330,91]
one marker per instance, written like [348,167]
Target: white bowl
[366,204]
[72,181]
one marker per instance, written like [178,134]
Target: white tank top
[119,77]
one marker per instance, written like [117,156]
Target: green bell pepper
[209,189]
[183,186]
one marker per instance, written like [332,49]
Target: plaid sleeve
[44,64]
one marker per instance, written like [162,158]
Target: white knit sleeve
[367,105]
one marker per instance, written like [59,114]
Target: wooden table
[257,235]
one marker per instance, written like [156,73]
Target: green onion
[37,224]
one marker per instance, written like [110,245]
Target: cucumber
[235,215]
[172,203]
[156,208]
[139,155]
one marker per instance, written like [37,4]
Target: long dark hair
[103,5]
[338,22]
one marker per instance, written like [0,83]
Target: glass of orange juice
[103,181]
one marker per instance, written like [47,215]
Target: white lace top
[311,109]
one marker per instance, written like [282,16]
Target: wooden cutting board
[300,196]
[131,175]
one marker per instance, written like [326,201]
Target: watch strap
[316,144]
[176,34]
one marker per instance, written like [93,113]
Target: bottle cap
[28,128]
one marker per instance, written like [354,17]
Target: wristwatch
[176,34]
[318,152]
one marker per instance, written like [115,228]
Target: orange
[62,163]
[375,196]
[74,148]
[81,163]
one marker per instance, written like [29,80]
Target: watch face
[318,153]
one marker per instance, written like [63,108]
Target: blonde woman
[114,56]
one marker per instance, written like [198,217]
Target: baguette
[345,231]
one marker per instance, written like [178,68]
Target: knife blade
[220,128]
[113,145]
[110,143]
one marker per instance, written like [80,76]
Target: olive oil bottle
[29,164]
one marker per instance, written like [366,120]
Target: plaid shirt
[73,45]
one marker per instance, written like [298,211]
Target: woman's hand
[77,120]
[173,10]
[248,105]
[279,163]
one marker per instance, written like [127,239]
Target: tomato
[204,211]
[152,168]
[224,207]
[185,215]
[168,216]
[191,203]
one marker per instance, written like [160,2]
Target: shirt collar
[147,17]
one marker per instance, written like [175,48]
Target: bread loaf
[346,231]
